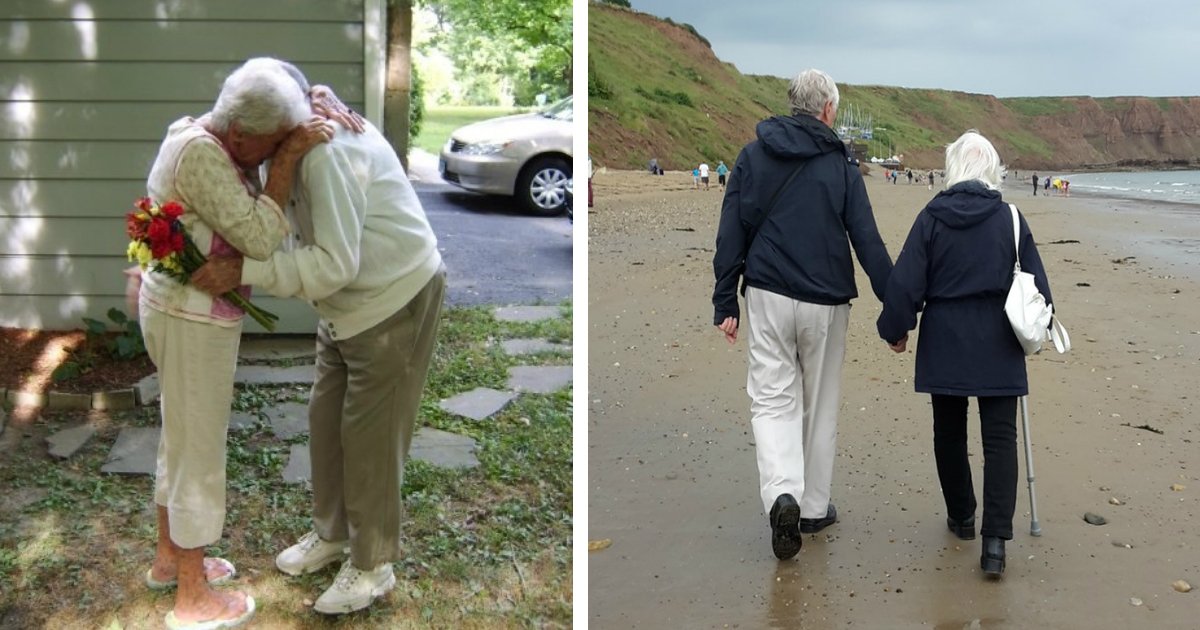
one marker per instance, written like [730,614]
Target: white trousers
[794,383]
[195,364]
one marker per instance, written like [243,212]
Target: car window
[560,111]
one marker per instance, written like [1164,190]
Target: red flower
[177,241]
[144,204]
[135,227]
[172,209]
[159,232]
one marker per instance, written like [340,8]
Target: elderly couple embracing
[338,225]
[795,205]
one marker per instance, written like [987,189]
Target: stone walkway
[135,450]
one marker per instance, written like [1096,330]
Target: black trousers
[998,428]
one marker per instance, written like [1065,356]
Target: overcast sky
[1004,47]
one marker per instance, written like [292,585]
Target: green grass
[485,547]
[441,121]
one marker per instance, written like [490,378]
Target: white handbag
[1032,319]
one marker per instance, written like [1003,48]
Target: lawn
[441,121]
[488,547]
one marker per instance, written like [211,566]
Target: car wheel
[542,187]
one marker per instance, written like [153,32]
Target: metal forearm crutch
[1035,529]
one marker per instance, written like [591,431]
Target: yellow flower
[144,255]
[131,251]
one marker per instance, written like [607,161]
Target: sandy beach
[672,480]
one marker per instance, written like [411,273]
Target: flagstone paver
[478,404]
[513,347]
[135,452]
[278,348]
[444,449]
[241,420]
[288,420]
[526,313]
[539,379]
[148,389]
[65,443]
[274,375]
[299,466]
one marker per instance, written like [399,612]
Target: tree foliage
[525,43]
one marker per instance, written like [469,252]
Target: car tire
[542,186]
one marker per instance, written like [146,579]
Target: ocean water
[1170,186]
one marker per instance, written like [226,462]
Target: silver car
[527,156]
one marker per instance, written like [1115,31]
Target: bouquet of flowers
[159,241]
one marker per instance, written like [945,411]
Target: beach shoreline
[672,478]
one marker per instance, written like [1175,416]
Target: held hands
[730,329]
[326,103]
[219,275]
[899,346]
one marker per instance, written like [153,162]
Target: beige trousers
[361,416]
[794,382]
[195,364]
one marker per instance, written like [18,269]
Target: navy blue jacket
[801,251]
[957,265]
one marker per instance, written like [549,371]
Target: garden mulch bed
[29,357]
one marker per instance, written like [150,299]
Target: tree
[482,37]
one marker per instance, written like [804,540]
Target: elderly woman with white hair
[956,268]
[193,337]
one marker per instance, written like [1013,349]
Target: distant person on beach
[654,168]
[695,178]
[1035,184]
[591,171]
[704,174]
[1046,189]
[955,269]
[794,197]
[894,176]
[930,176]
[722,171]
[1067,188]
[909,173]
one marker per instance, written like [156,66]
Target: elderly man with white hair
[193,337]
[956,269]
[794,205]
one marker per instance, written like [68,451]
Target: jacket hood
[965,204]
[793,137]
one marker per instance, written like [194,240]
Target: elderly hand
[305,136]
[133,286]
[326,103]
[219,275]
[899,346]
[730,328]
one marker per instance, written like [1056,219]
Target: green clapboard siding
[79,237]
[66,312]
[100,121]
[87,91]
[145,81]
[55,159]
[179,41]
[167,10]
[67,198]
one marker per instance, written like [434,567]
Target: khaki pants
[794,382]
[361,416]
[195,364]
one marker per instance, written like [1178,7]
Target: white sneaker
[355,589]
[310,554]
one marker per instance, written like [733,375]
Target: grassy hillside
[655,89]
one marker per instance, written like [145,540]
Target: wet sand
[672,475]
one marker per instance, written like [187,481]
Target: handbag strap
[1016,237]
[771,203]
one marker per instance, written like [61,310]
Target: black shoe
[965,530]
[992,560]
[785,539]
[814,525]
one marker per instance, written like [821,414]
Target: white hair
[810,91]
[972,157]
[261,98]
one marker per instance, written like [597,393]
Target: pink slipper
[229,574]
[213,624]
